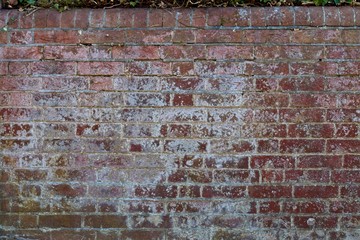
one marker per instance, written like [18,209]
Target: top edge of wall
[250,17]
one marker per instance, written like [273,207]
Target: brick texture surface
[235,123]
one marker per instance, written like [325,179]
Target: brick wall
[180,124]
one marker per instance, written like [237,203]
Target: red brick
[30,175]
[19,83]
[140,17]
[74,175]
[183,100]
[9,220]
[272,162]
[332,16]
[316,16]
[51,67]
[16,130]
[228,146]
[344,207]
[311,130]
[66,52]
[17,145]
[223,192]
[189,192]
[20,53]
[320,222]
[19,68]
[148,222]
[279,16]
[269,207]
[345,176]
[53,19]
[343,84]
[188,161]
[303,84]
[230,52]
[148,36]
[106,191]
[72,234]
[147,99]
[21,37]
[19,114]
[266,36]
[269,191]
[185,146]
[100,37]
[351,161]
[148,68]
[28,221]
[126,18]
[271,176]
[302,16]
[3,37]
[143,234]
[266,69]
[112,17]
[169,18]
[82,19]
[228,17]
[218,36]
[302,115]
[350,191]
[9,190]
[258,17]
[302,146]
[179,130]
[67,190]
[57,221]
[305,207]
[184,17]
[155,18]
[199,176]
[68,18]
[309,100]
[40,19]
[177,176]
[105,221]
[350,222]
[319,161]
[4,176]
[31,191]
[100,68]
[347,130]
[25,20]
[136,52]
[183,52]
[349,101]
[96,18]
[316,191]
[57,36]
[343,146]
[317,176]
[160,191]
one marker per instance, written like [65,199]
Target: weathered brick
[302,146]
[100,68]
[105,221]
[315,191]
[56,221]
[269,191]
[182,120]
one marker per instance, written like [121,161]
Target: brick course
[234,123]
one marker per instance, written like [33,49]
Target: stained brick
[165,123]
